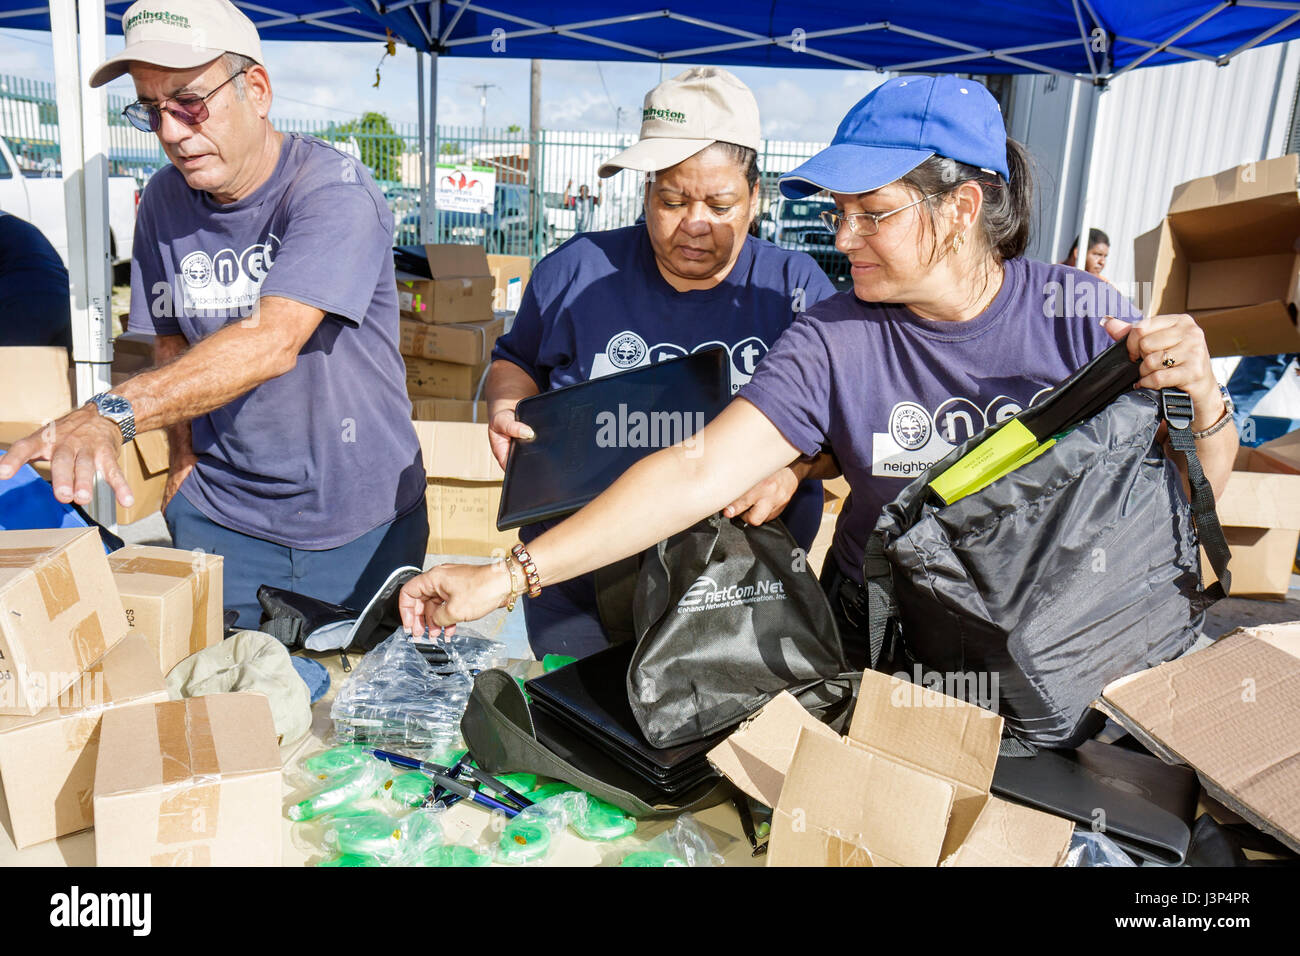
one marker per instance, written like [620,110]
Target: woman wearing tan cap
[689,276]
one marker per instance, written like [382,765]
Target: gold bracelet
[515,590]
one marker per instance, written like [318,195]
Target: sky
[321,81]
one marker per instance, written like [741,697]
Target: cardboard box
[1260,515]
[47,761]
[36,384]
[59,614]
[146,462]
[1225,254]
[448,410]
[1232,713]
[466,343]
[171,597]
[464,493]
[1281,455]
[459,290]
[429,378]
[132,352]
[510,276]
[192,782]
[908,785]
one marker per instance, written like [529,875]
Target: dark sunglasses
[190,109]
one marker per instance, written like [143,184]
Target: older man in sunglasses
[263,265]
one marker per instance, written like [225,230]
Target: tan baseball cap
[180,35]
[690,112]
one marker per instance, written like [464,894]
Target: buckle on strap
[1176,406]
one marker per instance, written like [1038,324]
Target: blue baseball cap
[898,126]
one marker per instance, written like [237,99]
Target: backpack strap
[1176,408]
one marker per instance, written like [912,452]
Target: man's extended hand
[77,446]
[765,500]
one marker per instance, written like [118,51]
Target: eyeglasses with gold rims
[190,109]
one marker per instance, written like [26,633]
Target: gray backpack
[1030,593]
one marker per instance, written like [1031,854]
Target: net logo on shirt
[915,438]
[226,282]
[627,349]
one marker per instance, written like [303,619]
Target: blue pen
[438,773]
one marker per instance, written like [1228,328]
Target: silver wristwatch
[117,410]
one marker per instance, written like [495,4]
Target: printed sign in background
[465,188]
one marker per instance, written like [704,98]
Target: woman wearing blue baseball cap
[948,329]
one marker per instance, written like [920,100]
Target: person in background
[263,264]
[947,329]
[34,304]
[1098,250]
[688,277]
[583,205]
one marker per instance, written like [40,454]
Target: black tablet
[590,433]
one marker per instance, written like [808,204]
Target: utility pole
[618,119]
[482,102]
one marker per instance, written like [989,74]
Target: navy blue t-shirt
[599,305]
[34,304]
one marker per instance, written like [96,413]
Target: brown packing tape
[199,586]
[189,814]
[88,641]
[188,751]
[22,557]
[199,855]
[185,741]
[58,586]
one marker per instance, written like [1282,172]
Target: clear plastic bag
[334,792]
[1091,848]
[396,700]
[684,845]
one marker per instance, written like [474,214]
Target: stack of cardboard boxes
[87,735]
[448,329]
[449,323]
[1226,254]
[41,392]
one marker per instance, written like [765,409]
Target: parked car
[36,194]
[796,224]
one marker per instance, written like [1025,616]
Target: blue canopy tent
[1088,41]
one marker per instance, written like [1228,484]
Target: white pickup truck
[37,196]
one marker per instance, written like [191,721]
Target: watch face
[113,405]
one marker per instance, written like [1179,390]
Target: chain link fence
[499,188]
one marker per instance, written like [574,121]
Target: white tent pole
[431,152]
[420,145]
[82,135]
[1091,173]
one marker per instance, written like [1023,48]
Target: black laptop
[588,700]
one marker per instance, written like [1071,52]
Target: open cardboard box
[1232,713]
[464,492]
[459,290]
[1226,253]
[1260,514]
[907,786]
[1281,455]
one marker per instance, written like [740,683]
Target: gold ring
[1169,361]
